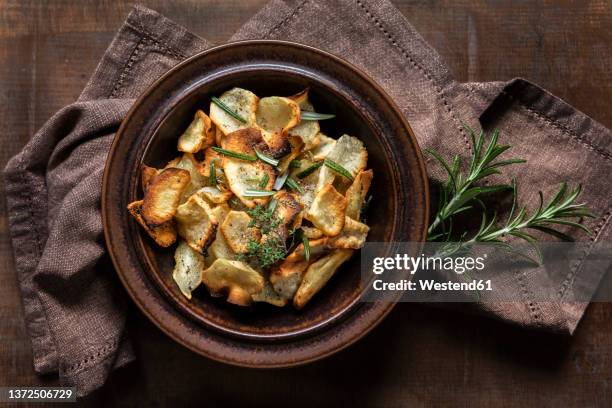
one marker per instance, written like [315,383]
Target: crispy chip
[237,233]
[269,295]
[296,148]
[241,101]
[219,248]
[213,195]
[147,175]
[196,223]
[172,163]
[188,267]
[357,192]
[196,171]
[275,116]
[244,175]
[286,278]
[327,211]
[307,130]
[325,146]
[199,134]
[353,235]
[318,274]
[164,234]
[237,278]
[312,232]
[350,153]
[163,196]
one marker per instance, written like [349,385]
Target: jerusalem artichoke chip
[317,247]
[196,171]
[307,130]
[318,274]
[275,116]
[214,195]
[188,267]
[269,295]
[348,152]
[147,175]
[196,223]
[242,175]
[356,194]
[219,248]
[237,278]
[312,232]
[327,211]
[286,278]
[353,235]
[163,196]
[238,233]
[199,134]
[323,148]
[164,234]
[242,102]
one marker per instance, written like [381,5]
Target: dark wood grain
[418,355]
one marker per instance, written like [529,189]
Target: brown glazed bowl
[262,335]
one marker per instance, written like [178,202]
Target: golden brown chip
[241,101]
[163,196]
[268,295]
[237,278]
[196,171]
[348,152]
[237,233]
[147,175]
[306,130]
[242,175]
[164,234]
[188,267]
[173,162]
[219,248]
[323,148]
[286,278]
[353,235]
[213,195]
[327,211]
[318,274]
[196,223]
[312,232]
[199,134]
[296,148]
[275,116]
[357,192]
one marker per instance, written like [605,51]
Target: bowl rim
[105,205]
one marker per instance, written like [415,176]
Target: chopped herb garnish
[213,174]
[338,168]
[263,217]
[309,170]
[258,193]
[227,109]
[295,164]
[294,185]
[266,253]
[233,154]
[264,180]
[266,159]
[304,115]
[280,181]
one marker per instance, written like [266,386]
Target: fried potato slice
[357,192]
[238,233]
[196,171]
[219,248]
[147,174]
[237,278]
[241,101]
[275,116]
[312,232]
[196,223]
[269,295]
[325,146]
[327,211]
[353,235]
[188,267]
[244,175]
[209,156]
[318,274]
[307,130]
[288,209]
[199,134]
[286,278]
[213,195]
[350,153]
[164,235]
[163,196]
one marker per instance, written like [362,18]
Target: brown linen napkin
[74,306]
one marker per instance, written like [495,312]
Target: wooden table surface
[418,355]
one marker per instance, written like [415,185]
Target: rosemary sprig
[227,109]
[233,154]
[305,115]
[461,193]
[257,193]
[306,244]
[294,185]
[309,170]
[338,168]
[266,159]
[295,164]
[264,180]
[213,174]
